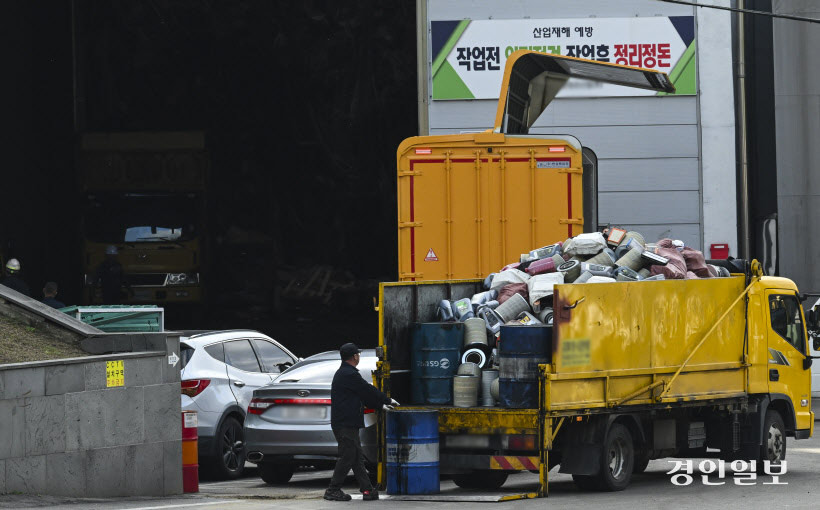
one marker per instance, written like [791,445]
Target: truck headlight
[182,279]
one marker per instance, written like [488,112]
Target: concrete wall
[797,118]
[63,432]
[666,164]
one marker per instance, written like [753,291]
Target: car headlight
[182,279]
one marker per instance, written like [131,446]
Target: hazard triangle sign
[431,256]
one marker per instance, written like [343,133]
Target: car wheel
[275,474]
[230,461]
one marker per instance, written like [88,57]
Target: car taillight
[259,405]
[369,411]
[193,387]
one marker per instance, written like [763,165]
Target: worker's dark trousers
[350,456]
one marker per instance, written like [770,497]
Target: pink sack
[676,268]
[508,291]
[695,262]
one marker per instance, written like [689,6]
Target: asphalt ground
[798,488]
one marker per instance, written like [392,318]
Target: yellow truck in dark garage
[144,202]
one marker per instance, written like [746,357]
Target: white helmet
[13,265]
[110,250]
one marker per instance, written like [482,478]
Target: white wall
[656,154]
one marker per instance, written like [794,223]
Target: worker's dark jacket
[16,283]
[349,395]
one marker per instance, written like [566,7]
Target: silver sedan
[288,421]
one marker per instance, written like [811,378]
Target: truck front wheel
[773,447]
[617,459]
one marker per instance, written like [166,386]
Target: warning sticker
[114,373]
[431,256]
[575,352]
[552,164]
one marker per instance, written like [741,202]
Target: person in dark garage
[349,395]
[111,277]
[50,296]
[12,278]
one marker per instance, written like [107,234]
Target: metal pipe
[743,223]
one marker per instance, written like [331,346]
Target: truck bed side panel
[621,337]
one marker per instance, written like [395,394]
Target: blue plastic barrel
[521,349]
[434,358]
[412,452]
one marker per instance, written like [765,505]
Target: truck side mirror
[807,362]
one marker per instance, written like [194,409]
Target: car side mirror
[807,361]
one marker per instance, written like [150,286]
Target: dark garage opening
[302,106]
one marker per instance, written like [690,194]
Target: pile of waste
[521,293]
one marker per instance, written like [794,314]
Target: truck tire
[275,474]
[489,480]
[773,446]
[617,459]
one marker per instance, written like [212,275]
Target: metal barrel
[434,358]
[190,456]
[465,390]
[412,452]
[521,350]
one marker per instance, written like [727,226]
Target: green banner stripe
[448,84]
[448,46]
[683,75]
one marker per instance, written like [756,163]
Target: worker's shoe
[336,495]
[370,495]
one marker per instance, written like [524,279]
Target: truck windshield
[141,218]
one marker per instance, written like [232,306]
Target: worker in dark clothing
[50,296]
[111,277]
[349,395]
[12,279]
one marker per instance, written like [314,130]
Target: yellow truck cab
[637,370]
[144,195]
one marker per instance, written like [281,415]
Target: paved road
[652,489]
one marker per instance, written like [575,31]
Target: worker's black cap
[348,350]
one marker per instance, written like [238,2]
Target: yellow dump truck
[468,204]
[144,195]
[638,371]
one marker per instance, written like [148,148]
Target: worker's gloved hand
[387,407]
[394,403]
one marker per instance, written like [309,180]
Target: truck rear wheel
[617,459]
[489,480]
[773,447]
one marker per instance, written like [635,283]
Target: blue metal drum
[412,452]
[434,358]
[521,349]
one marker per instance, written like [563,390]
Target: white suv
[220,370]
